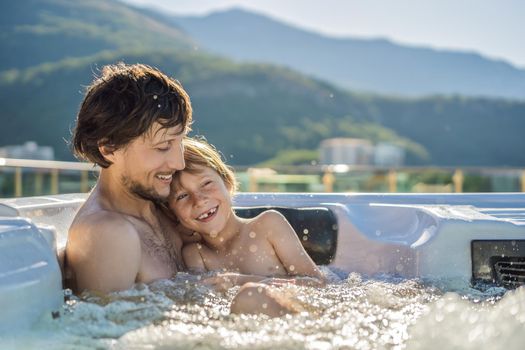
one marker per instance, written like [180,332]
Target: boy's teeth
[208,213]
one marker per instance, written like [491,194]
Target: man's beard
[142,192]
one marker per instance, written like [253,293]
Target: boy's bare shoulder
[270,221]
[268,217]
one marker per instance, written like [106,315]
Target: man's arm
[104,252]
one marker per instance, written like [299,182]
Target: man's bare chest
[161,247]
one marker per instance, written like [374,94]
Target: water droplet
[264,305]
[252,234]
[292,268]
[253,248]
[305,231]
[305,238]
[155,97]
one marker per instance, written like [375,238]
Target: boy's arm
[226,280]
[104,253]
[287,246]
[192,255]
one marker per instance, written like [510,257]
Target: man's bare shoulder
[103,251]
[102,225]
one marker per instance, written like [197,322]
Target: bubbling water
[352,312]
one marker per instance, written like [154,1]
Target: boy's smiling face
[201,200]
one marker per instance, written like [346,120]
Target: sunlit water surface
[352,312]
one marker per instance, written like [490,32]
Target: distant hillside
[38,31]
[377,66]
[250,111]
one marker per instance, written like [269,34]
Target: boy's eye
[181,196]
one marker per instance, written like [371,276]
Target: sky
[493,28]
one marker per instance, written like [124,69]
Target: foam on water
[350,313]
[461,322]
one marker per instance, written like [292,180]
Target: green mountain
[249,111]
[38,31]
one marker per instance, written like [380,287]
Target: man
[131,123]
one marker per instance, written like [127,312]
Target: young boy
[254,249]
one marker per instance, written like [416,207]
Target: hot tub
[465,238]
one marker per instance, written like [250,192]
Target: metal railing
[314,178]
[40,167]
[331,176]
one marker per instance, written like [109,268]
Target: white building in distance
[352,151]
[29,150]
[346,151]
[388,155]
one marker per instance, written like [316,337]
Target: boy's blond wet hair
[197,154]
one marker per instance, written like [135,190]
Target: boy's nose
[200,198]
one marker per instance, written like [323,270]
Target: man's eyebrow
[166,137]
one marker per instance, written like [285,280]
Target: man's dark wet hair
[123,104]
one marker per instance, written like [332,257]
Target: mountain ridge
[374,65]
